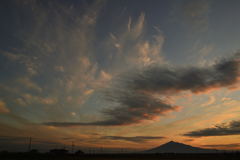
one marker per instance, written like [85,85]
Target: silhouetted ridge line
[175,147]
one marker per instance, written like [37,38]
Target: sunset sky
[130,74]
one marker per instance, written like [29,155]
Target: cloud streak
[136,139]
[232,128]
[3,107]
[231,145]
[139,96]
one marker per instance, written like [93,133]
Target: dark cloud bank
[232,128]
[133,95]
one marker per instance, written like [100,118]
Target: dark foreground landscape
[168,151]
[167,156]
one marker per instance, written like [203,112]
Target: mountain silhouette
[175,147]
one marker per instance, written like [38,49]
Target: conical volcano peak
[176,147]
[173,143]
[170,142]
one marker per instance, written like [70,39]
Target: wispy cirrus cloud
[29,84]
[210,101]
[28,99]
[194,14]
[130,47]
[56,53]
[62,51]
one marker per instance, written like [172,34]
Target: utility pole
[72,147]
[30,144]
